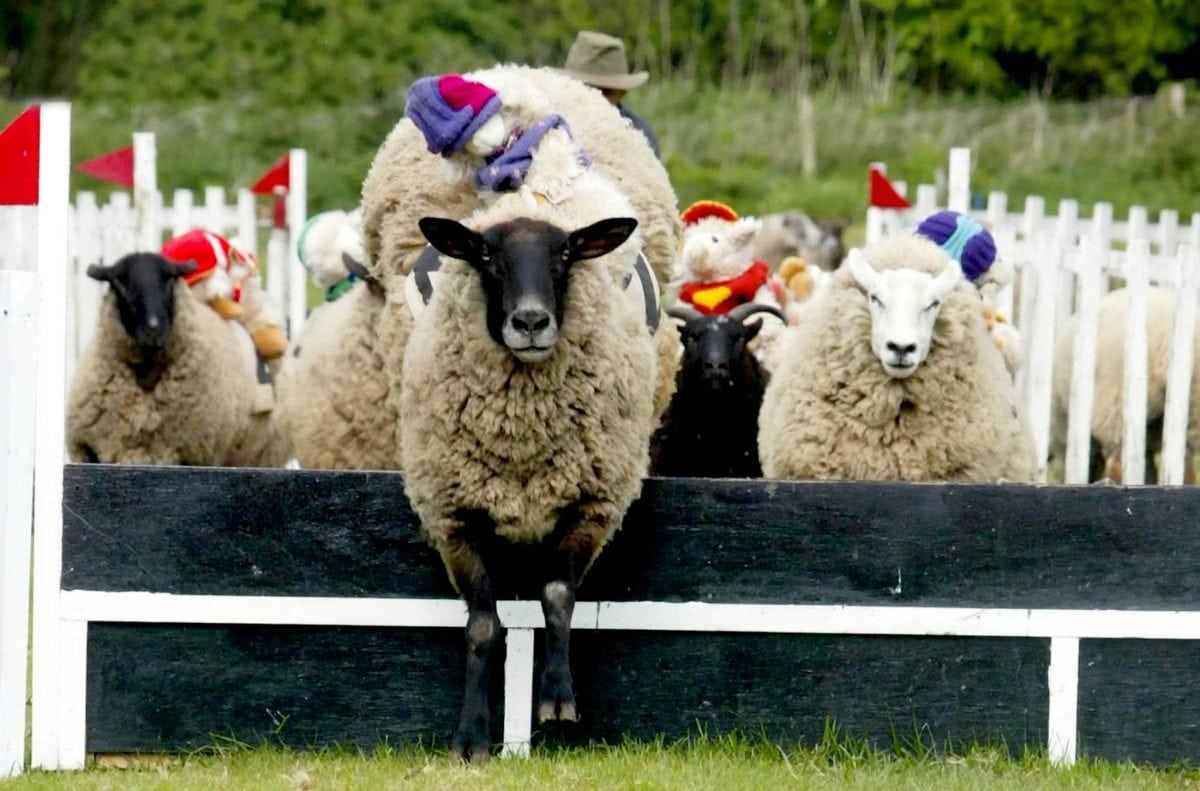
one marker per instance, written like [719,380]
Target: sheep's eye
[877,300]
[715,240]
[934,305]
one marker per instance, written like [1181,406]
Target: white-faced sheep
[528,389]
[1108,400]
[166,380]
[894,377]
[711,428]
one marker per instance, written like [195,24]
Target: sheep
[711,427]
[892,376]
[528,388]
[332,389]
[1108,399]
[795,234]
[165,380]
[406,183]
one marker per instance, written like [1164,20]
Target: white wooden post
[1068,231]
[247,221]
[1133,397]
[926,200]
[1168,233]
[18,366]
[1063,683]
[1139,224]
[181,213]
[54,163]
[214,209]
[1028,271]
[117,227]
[1194,232]
[89,249]
[1041,350]
[1179,373]
[147,230]
[959,191]
[518,692]
[297,213]
[1083,364]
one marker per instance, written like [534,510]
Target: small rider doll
[226,278]
[718,260]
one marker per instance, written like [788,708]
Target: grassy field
[736,145]
[718,764]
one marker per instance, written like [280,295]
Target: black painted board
[180,687]
[1139,700]
[171,687]
[227,531]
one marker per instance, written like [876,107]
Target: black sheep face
[144,287]
[714,350]
[524,266]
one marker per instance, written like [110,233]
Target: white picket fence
[143,221]
[1064,264]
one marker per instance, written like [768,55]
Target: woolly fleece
[332,390]
[199,412]
[398,189]
[1108,400]
[484,432]
[830,411]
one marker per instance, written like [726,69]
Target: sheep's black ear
[599,238]
[752,328]
[100,272]
[180,270]
[452,238]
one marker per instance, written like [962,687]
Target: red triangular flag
[277,176]
[115,167]
[883,194]
[19,145]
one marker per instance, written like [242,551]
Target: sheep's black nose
[530,321]
[901,350]
[716,367]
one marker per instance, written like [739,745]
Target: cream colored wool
[483,431]
[199,413]
[406,182]
[332,391]
[1108,418]
[830,411]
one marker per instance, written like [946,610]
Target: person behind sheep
[598,60]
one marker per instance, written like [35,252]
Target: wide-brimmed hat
[599,61]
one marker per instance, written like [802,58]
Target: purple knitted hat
[963,239]
[449,110]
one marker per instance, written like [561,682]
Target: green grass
[725,763]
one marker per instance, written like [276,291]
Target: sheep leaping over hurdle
[893,377]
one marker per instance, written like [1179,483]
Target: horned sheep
[894,377]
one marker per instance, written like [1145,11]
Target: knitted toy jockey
[717,259]
[330,248]
[457,115]
[226,278]
[969,243]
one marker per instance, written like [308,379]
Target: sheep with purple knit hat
[969,243]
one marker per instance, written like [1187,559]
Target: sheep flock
[517,318]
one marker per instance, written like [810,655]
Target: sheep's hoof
[472,744]
[557,700]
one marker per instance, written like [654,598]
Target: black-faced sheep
[892,376]
[711,428]
[166,380]
[527,396]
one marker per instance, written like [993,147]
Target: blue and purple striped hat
[963,239]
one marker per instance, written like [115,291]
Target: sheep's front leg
[580,544]
[472,738]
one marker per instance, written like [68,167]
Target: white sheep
[892,376]
[1108,400]
[165,380]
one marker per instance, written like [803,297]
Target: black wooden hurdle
[306,607]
